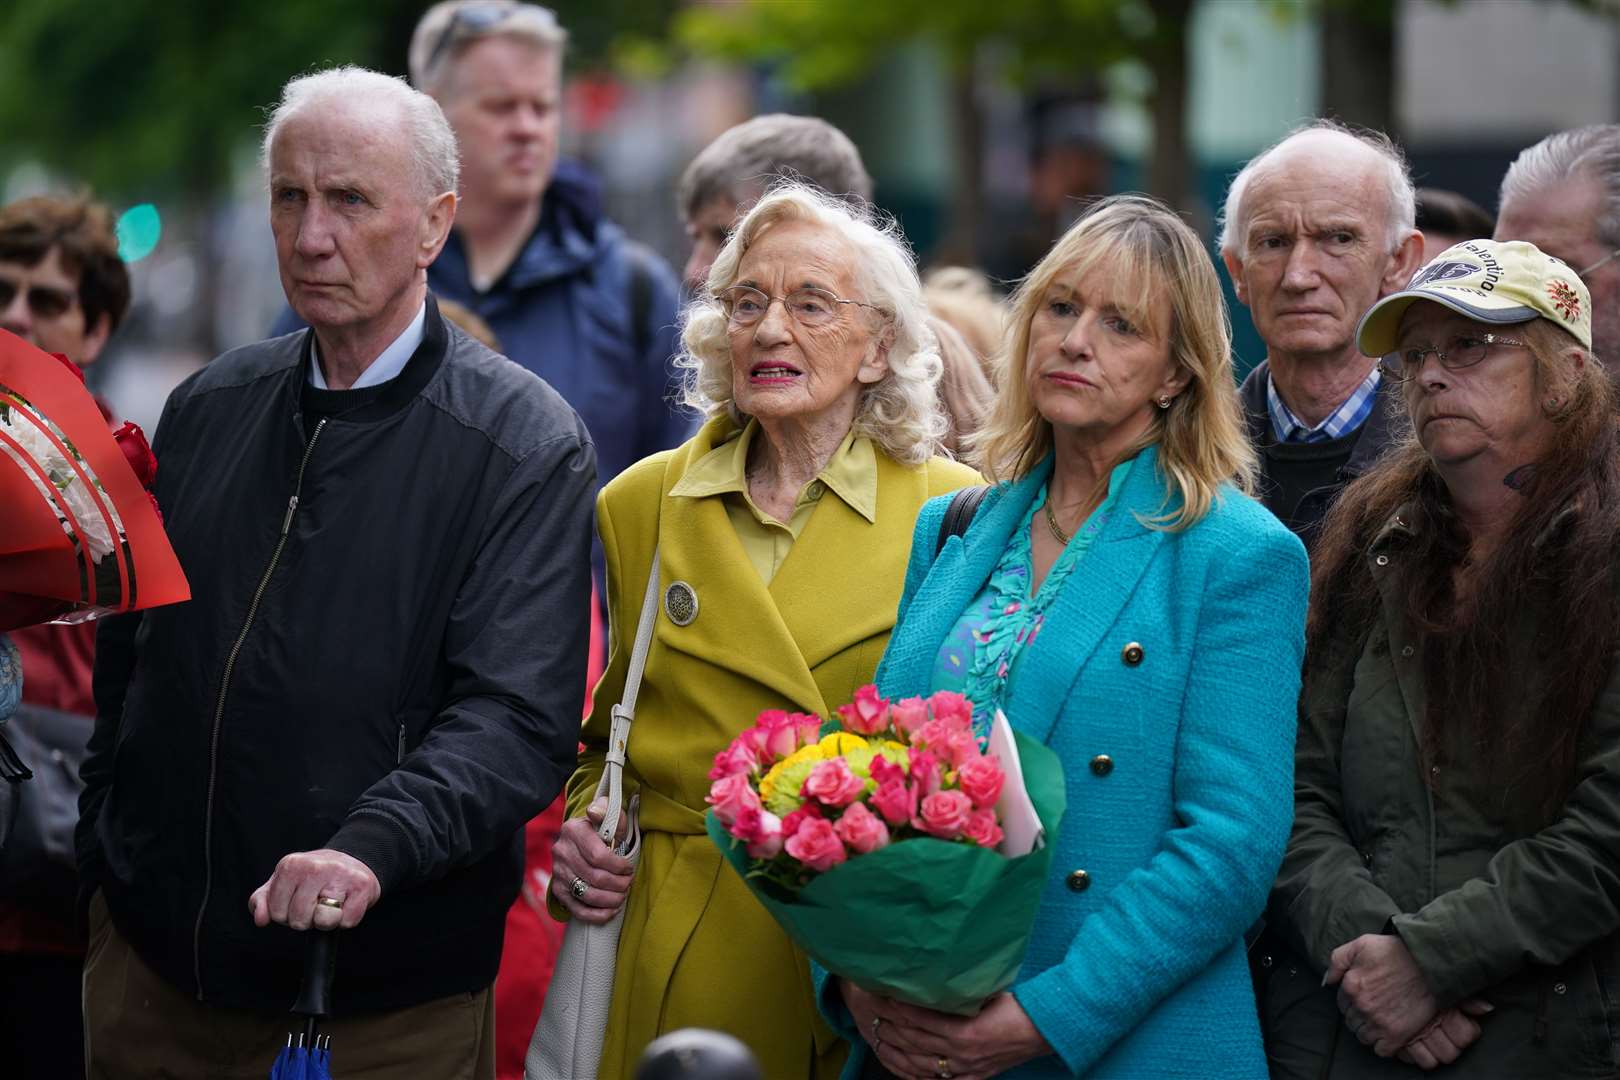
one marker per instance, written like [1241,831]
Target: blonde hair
[963,297]
[900,412]
[1150,256]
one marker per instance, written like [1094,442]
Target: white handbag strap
[612,782]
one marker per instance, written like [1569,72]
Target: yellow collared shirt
[851,474]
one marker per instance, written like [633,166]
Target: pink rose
[981,828]
[952,743]
[868,714]
[730,795]
[883,770]
[807,728]
[791,823]
[816,845]
[761,830]
[774,735]
[980,779]
[833,784]
[951,707]
[861,829]
[925,772]
[908,715]
[896,800]
[943,814]
[739,757]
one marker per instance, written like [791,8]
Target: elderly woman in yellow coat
[782,529]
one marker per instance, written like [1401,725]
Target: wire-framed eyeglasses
[1605,261]
[1462,351]
[745,305]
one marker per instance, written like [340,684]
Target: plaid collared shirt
[1346,418]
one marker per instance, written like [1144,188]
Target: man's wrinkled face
[1314,251]
[40,304]
[351,222]
[1561,220]
[503,96]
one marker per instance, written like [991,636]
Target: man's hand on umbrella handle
[323,889]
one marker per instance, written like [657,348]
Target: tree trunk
[960,243]
[1170,167]
[1358,64]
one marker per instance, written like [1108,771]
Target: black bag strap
[959,514]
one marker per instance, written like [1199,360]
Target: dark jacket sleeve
[514,649]
[1541,899]
[1325,895]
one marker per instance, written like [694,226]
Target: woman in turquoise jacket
[1119,597]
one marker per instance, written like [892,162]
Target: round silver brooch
[680,603]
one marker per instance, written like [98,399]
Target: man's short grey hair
[1592,151]
[446,29]
[1402,204]
[432,142]
[747,158]
[901,412]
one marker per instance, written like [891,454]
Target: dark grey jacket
[1527,919]
[384,654]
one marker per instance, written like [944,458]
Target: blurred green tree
[831,43]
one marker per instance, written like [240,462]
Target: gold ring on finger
[330,901]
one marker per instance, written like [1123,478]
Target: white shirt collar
[385,367]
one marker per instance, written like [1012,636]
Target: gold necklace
[1051,523]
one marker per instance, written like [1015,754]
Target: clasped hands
[915,1043]
[1387,1004]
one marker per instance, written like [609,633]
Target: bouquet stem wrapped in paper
[877,842]
[80,536]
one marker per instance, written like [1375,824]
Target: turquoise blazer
[1166,677]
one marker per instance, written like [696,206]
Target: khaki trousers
[137,1026]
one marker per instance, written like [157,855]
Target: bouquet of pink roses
[873,839]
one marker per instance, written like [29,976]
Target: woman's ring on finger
[942,1068]
[578,888]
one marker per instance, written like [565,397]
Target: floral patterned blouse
[10,678]
[981,653]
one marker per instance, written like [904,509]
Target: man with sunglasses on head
[62,288]
[1563,195]
[569,295]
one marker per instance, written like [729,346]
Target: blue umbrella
[308,1054]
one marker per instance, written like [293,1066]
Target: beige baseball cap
[1490,281]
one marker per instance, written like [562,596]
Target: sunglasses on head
[43,300]
[470,20]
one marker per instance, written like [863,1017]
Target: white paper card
[1020,824]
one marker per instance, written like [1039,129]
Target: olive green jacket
[1525,919]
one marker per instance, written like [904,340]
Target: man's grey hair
[1401,206]
[747,158]
[1592,151]
[446,30]
[422,122]
[900,412]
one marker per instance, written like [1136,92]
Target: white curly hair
[901,412]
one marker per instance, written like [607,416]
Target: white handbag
[567,1042]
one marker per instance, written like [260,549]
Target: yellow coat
[697,950]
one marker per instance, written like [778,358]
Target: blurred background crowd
[984,126]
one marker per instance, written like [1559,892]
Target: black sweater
[384,654]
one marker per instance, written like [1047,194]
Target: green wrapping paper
[935,923]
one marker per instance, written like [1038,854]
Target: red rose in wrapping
[138,452]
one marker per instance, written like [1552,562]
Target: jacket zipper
[219,708]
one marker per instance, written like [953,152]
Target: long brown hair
[1559,553]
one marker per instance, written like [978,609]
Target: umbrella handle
[315,992]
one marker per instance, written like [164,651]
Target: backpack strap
[959,514]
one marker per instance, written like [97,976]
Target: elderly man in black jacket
[386,527]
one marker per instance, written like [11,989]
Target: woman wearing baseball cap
[1452,884]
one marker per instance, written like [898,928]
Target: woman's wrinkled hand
[1447,1036]
[580,855]
[1382,993]
[920,1044]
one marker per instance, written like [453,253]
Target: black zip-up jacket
[384,654]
